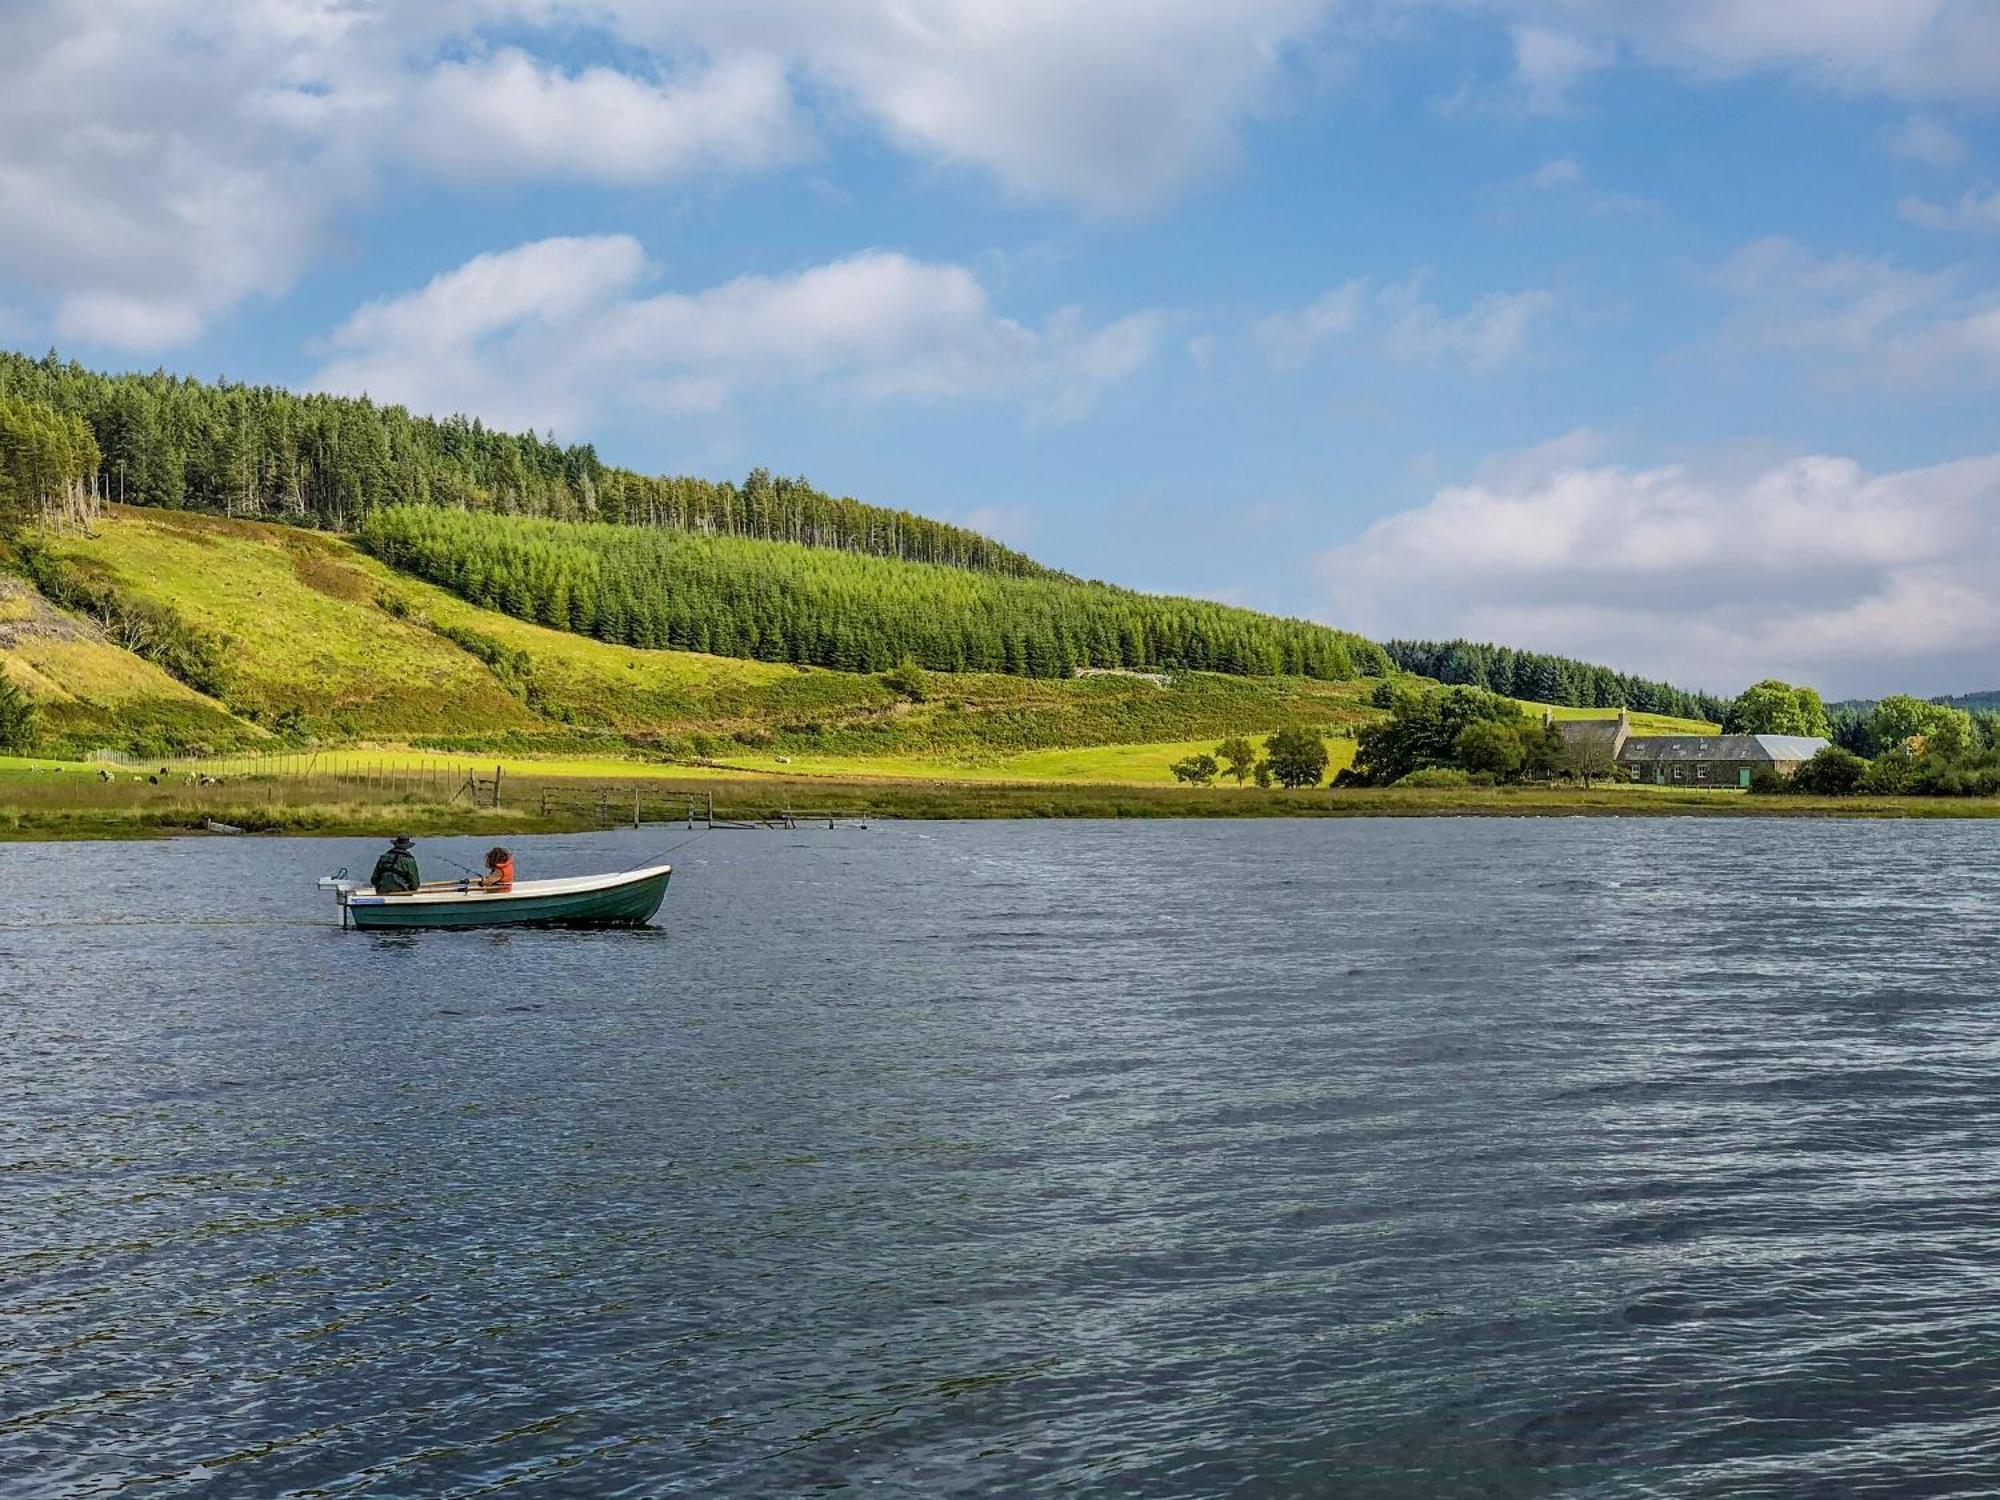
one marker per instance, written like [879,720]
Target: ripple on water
[1368,1158]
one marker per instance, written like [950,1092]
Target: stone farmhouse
[1711,760]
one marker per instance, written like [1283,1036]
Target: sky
[1663,335]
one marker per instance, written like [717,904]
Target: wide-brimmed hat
[400,841]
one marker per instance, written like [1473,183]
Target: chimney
[1624,720]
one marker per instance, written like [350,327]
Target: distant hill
[1539,677]
[1986,702]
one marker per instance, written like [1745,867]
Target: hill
[313,638]
[1536,676]
[775,601]
[262,452]
[91,691]
[1983,702]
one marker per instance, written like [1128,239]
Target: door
[1743,778]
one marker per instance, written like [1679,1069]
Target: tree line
[1902,746]
[774,601]
[266,453]
[1292,758]
[48,466]
[1542,678]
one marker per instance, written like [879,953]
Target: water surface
[1397,1158]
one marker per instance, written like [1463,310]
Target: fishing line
[653,858]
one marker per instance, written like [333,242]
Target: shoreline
[539,806]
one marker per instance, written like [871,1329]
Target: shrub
[1196,770]
[1437,776]
[1892,773]
[19,719]
[1489,746]
[909,680]
[1833,772]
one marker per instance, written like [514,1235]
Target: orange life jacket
[501,876]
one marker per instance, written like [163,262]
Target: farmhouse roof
[1653,748]
[1607,733]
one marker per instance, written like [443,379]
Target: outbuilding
[1714,760]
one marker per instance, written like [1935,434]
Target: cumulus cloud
[1398,323]
[1114,105]
[1862,318]
[1549,63]
[162,160]
[1926,139]
[1558,172]
[1812,569]
[1914,49]
[1289,339]
[510,115]
[1973,210]
[554,331]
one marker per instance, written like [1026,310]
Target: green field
[1641,723]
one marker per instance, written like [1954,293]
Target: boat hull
[630,903]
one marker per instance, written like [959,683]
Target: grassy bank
[80,808]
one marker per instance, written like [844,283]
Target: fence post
[496,786]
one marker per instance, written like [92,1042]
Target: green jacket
[395,871]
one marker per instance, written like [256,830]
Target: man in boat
[499,874]
[396,871]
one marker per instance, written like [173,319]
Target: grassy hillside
[319,639]
[1641,723]
[91,692]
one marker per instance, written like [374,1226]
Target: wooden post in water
[635,804]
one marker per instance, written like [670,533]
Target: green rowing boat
[628,899]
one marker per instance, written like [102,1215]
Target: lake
[1361,1158]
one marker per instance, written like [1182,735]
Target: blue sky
[1662,335]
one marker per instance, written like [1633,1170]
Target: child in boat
[499,871]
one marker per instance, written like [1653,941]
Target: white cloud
[1493,332]
[1863,319]
[1548,64]
[1974,210]
[162,160]
[1289,339]
[509,116]
[1115,105]
[1559,172]
[553,331]
[1812,569]
[1913,49]
[1399,324]
[1926,139]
